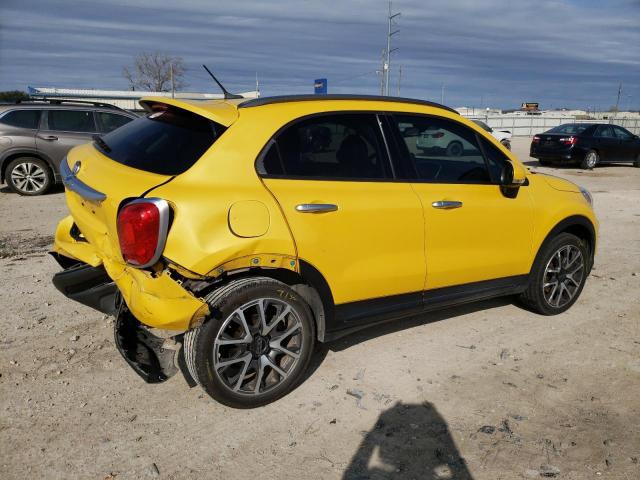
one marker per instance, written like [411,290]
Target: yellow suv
[228,237]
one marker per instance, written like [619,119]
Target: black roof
[257,102]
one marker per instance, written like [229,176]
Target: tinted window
[443,151]
[495,159]
[622,133]
[346,146]
[604,131]
[167,142]
[570,128]
[71,121]
[482,125]
[22,118]
[111,121]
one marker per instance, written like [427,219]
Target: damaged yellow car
[229,236]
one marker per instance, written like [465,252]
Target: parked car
[35,136]
[249,230]
[586,144]
[503,136]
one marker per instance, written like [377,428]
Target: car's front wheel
[558,275]
[256,347]
[454,149]
[29,176]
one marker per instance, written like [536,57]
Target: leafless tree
[153,71]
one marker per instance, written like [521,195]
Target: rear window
[22,118]
[570,128]
[167,142]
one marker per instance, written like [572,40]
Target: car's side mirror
[511,179]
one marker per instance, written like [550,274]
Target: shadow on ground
[409,441]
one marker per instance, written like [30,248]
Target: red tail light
[142,231]
[569,140]
[536,139]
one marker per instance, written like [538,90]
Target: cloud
[557,52]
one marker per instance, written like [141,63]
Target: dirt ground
[485,391]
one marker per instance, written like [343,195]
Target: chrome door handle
[316,207]
[48,137]
[446,204]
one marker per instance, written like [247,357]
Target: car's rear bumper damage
[140,300]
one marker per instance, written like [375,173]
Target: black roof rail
[257,102]
[59,101]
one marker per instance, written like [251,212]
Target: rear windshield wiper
[101,143]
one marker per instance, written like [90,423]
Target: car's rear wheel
[454,149]
[256,347]
[590,160]
[29,176]
[558,275]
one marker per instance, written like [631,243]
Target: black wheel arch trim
[569,225]
[10,155]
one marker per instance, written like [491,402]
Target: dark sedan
[587,144]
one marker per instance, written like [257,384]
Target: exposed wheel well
[12,157]
[309,284]
[579,226]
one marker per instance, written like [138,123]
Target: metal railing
[529,125]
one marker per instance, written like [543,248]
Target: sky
[499,53]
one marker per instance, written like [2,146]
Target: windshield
[570,128]
[167,142]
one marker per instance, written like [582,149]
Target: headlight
[587,195]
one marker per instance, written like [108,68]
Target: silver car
[36,135]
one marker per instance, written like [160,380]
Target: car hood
[560,183]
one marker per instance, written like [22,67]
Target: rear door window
[605,131]
[110,121]
[22,118]
[71,121]
[167,142]
[622,133]
[344,146]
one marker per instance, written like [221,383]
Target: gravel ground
[485,391]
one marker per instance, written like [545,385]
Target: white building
[126,99]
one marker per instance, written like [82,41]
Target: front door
[606,143]
[361,230]
[473,231]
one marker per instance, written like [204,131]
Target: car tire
[590,160]
[551,292]
[29,176]
[249,363]
[454,149]
[506,144]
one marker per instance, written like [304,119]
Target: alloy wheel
[258,346]
[563,276]
[592,159]
[28,177]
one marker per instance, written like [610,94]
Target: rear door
[606,143]
[361,229]
[473,231]
[63,129]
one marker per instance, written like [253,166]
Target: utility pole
[399,79]
[257,86]
[618,100]
[173,85]
[382,71]
[387,63]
